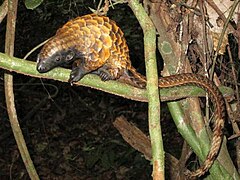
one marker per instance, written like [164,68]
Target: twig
[35,48]
[3,10]
[219,12]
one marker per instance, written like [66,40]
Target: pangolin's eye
[70,56]
[57,58]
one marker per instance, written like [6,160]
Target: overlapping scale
[98,38]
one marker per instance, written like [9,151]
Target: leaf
[32,4]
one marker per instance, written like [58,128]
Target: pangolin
[95,44]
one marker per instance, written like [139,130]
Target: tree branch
[28,68]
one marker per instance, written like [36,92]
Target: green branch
[28,68]
[152,88]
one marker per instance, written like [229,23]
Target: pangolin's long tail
[215,96]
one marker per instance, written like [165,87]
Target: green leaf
[32,4]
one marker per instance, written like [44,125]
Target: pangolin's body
[95,44]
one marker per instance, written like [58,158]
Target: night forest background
[69,129]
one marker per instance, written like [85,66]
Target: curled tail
[219,105]
[216,98]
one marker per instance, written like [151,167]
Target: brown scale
[97,45]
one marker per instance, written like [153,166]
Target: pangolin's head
[55,53]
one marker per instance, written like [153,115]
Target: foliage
[32,4]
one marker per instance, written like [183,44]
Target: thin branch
[9,94]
